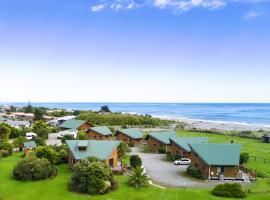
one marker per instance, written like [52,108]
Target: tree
[29,108]
[104,108]
[18,142]
[135,161]
[41,129]
[4,132]
[122,149]
[92,177]
[138,178]
[47,152]
[81,135]
[38,114]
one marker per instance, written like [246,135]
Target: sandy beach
[226,126]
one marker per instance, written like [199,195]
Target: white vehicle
[30,135]
[182,161]
[72,133]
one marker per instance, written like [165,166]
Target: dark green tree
[104,108]
[38,114]
[135,161]
[41,129]
[4,131]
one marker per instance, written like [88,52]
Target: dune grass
[56,188]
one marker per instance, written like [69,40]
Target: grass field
[56,188]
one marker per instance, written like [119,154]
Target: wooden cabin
[130,136]
[99,133]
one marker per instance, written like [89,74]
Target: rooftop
[183,142]
[72,124]
[218,154]
[97,148]
[163,137]
[103,130]
[132,132]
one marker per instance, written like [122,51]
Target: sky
[134,51]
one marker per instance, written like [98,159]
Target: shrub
[66,137]
[261,174]
[4,153]
[244,157]
[233,190]
[195,172]
[135,161]
[131,144]
[33,168]
[169,156]
[146,149]
[138,178]
[39,141]
[46,152]
[5,146]
[161,150]
[92,177]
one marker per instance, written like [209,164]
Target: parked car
[30,135]
[72,133]
[182,161]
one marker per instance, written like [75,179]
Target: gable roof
[29,144]
[218,154]
[100,149]
[72,123]
[163,137]
[131,132]
[183,142]
[103,130]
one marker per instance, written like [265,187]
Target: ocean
[243,113]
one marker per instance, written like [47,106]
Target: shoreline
[218,125]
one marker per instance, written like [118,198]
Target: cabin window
[82,148]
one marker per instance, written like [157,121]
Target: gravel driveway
[52,139]
[166,173]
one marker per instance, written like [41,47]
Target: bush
[6,146]
[262,174]
[47,152]
[131,144]
[195,172]
[169,156]
[135,161]
[92,177]
[33,168]
[161,150]
[66,137]
[233,190]
[4,153]
[244,157]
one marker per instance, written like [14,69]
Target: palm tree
[138,178]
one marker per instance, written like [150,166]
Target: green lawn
[56,188]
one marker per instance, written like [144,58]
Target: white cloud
[97,8]
[251,15]
[176,5]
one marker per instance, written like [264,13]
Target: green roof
[132,132]
[29,144]
[103,130]
[163,137]
[183,142]
[72,124]
[100,149]
[218,154]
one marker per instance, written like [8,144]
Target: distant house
[28,146]
[99,133]
[77,124]
[103,150]
[160,140]
[130,135]
[266,138]
[180,145]
[16,124]
[60,120]
[216,161]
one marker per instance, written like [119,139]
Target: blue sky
[135,51]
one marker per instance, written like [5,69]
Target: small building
[77,124]
[60,120]
[160,141]
[130,135]
[99,133]
[266,138]
[103,150]
[180,145]
[70,132]
[216,161]
[15,123]
[29,146]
